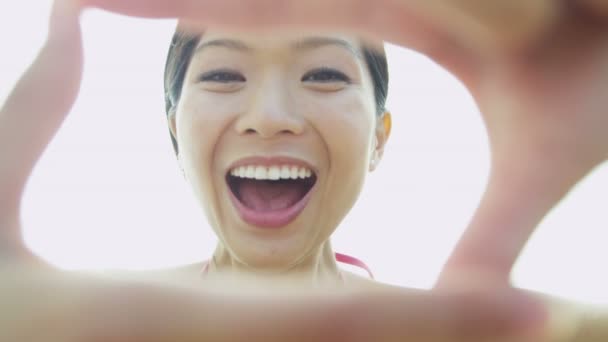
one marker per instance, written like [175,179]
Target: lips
[265,199]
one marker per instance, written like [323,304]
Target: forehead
[293,41]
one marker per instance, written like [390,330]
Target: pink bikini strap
[347,259]
[343,258]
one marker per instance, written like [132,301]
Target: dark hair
[182,48]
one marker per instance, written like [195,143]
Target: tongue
[263,195]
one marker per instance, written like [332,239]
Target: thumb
[64,17]
[36,107]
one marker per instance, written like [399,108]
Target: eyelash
[328,75]
[222,76]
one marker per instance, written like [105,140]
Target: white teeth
[261,172]
[250,172]
[285,173]
[274,172]
[294,172]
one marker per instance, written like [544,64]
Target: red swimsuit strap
[347,259]
[343,258]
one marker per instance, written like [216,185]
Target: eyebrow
[317,42]
[303,44]
[226,43]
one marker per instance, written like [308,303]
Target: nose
[271,112]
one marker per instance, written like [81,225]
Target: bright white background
[108,192]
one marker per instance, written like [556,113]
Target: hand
[32,114]
[546,111]
[65,38]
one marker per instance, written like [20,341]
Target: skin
[331,125]
[513,81]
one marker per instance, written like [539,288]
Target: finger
[494,238]
[490,27]
[244,14]
[523,187]
[387,20]
[34,111]
[395,21]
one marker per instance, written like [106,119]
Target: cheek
[202,118]
[346,122]
[201,121]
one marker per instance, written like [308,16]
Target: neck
[316,271]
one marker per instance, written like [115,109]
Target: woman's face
[276,134]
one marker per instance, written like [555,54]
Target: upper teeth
[271,172]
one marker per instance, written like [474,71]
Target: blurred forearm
[52,305]
[75,307]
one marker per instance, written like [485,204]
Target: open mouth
[270,196]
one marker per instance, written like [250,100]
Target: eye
[325,75]
[222,76]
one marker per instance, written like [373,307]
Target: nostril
[282,132]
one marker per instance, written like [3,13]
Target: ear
[172,123]
[383,131]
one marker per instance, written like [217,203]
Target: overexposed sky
[108,192]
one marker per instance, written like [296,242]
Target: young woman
[276,134]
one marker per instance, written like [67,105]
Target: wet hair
[184,44]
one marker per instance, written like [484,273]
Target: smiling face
[276,135]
